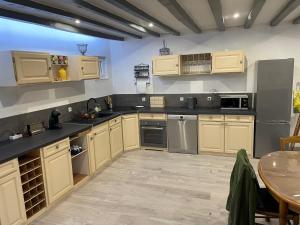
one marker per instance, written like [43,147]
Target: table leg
[283,210]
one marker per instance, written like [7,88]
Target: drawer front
[153,116]
[239,118]
[100,128]
[114,121]
[56,147]
[211,117]
[8,167]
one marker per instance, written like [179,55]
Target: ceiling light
[137,27]
[77,21]
[150,24]
[236,15]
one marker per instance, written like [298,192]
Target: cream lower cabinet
[238,136]
[131,134]
[166,65]
[211,136]
[58,173]
[116,137]
[12,207]
[228,62]
[225,134]
[99,146]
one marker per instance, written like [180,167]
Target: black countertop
[13,149]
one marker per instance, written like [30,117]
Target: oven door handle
[152,128]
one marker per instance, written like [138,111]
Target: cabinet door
[101,147]
[59,177]
[238,136]
[90,67]
[116,140]
[166,65]
[91,149]
[131,134]
[12,208]
[32,68]
[211,136]
[228,62]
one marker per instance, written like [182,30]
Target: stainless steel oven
[153,134]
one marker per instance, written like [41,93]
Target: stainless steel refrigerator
[273,104]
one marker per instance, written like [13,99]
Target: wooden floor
[150,188]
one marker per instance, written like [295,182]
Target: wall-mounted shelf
[195,64]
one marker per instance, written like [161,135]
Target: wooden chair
[289,142]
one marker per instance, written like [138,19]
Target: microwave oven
[234,102]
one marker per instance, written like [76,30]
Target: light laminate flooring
[150,188]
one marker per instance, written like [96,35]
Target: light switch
[181,99]
[70,109]
[143,99]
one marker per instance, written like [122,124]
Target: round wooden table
[280,171]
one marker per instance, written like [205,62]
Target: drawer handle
[57,146]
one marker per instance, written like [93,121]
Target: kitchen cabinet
[166,65]
[99,146]
[130,127]
[58,171]
[84,67]
[228,62]
[12,207]
[211,136]
[115,136]
[225,134]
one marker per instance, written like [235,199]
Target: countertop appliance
[153,134]
[183,134]
[273,104]
[191,102]
[54,120]
[234,102]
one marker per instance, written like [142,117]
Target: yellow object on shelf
[296,102]
[62,74]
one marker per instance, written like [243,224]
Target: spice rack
[194,64]
[33,187]
[80,161]
[58,62]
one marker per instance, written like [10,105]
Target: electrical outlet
[143,99]
[181,99]
[209,98]
[70,109]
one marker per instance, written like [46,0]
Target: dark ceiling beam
[256,8]
[126,6]
[216,9]
[36,5]
[296,20]
[55,24]
[178,12]
[114,17]
[287,9]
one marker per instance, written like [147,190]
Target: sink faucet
[88,104]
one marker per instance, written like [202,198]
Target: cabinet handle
[176,65]
[57,146]
[241,62]
[49,68]
[91,138]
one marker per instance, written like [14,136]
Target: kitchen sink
[104,114]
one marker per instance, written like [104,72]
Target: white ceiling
[198,10]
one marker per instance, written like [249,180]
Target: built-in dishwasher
[182,134]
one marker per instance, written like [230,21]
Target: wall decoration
[164,50]
[82,48]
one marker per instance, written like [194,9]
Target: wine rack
[32,183]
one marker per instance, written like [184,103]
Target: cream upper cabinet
[211,136]
[238,136]
[116,139]
[228,62]
[32,67]
[101,145]
[84,67]
[166,65]
[58,172]
[12,208]
[130,127]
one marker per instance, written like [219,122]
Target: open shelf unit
[194,64]
[80,161]
[58,62]
[31,172]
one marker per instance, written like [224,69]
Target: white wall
[23,36]
[260,42]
